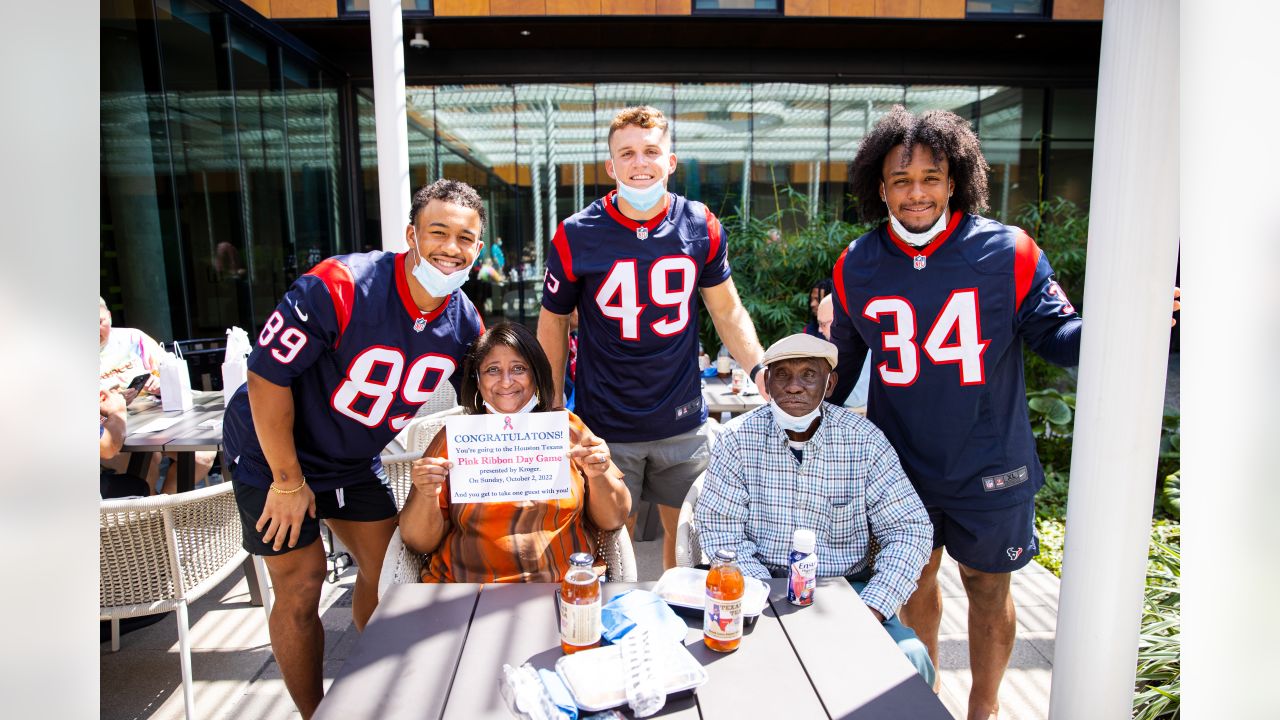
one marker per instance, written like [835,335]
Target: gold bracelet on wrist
[278,491]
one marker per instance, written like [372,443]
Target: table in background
[199,428]
[720,398]
[436,651]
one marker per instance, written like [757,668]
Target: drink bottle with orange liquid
[722,615]
[579,606]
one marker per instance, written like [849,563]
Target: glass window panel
[1004,7]
[788,149]
[959,99]
[738,5]
[362,6]
[212,222]
[137,228]
[1073,114]
[269,247]
[369,171]
[314,161]
[713,142]
[1072,171]
[855,109]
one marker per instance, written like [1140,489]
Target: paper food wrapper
[175,385]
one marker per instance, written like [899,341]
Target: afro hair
[942,131]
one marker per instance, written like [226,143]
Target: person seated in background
[506,371]
[123,355]
[820,290]
[799,462]
[112,418]
[857,400]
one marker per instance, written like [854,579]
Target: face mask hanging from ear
[791,422]
[436,283]
[912,238]
[642,198]
[528,407]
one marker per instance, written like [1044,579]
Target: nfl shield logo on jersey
[642,233]
[419,325]
[918,262]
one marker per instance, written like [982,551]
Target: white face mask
[642,198]
[528,407]
[918,239]
[436,283]
[791,422]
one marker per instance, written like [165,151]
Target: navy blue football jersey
[636,289]
[360,357]
[945,326]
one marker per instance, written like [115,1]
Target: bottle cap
[726,554]
[581,559]
[803,540]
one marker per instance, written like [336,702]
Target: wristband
[278,491]
[756,371]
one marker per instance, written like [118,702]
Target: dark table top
[436,651]
[199,428]
[720,398]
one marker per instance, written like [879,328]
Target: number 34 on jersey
[953,337]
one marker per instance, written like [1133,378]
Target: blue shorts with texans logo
[997,540]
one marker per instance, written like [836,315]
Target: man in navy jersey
[634,263]
[945,299]
[340,367]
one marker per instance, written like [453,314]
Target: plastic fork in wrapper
[645,694]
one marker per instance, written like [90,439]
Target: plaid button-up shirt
[848,488]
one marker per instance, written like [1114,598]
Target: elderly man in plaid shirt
[799,462]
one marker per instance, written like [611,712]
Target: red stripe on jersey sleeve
[714,232]
[342,290]
[561,241]
[1025,257]
[838,277]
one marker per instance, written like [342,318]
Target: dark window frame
[781,11]
[344,13]
[1046,13]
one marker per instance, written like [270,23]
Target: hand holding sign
[428,474]
[592,455]
[509,458]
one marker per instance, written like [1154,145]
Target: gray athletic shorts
[661,471]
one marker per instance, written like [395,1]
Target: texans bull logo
[1014,553]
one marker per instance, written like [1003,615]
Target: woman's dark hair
[942,131]
[523,342]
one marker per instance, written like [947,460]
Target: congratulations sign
[504,458]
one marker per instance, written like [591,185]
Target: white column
[1133,235]
[390,108]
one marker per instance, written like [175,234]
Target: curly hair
[942,131]
[642,116]
[455,192]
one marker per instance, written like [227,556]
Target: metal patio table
[436,651]
[199,428]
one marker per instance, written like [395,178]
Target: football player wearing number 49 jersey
[634,264]
[356,346]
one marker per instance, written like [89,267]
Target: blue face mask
[436,283]
[642,198]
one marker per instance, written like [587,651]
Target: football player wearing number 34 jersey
[634,264]
[945,299]
[356,346]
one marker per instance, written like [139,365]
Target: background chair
[401,566]
[162,553]
[688,550]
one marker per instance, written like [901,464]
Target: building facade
[238,138]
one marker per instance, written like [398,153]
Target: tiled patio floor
[236,676]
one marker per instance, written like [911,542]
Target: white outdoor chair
[688,550]
[162,553]
[420,432]
[400,566]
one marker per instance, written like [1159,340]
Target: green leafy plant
[1061,229]
[1158,683]
[776,259]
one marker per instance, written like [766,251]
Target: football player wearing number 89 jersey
[356,346]
[634,264]
[945,299]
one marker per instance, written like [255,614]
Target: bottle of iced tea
[722,615]
[579,606]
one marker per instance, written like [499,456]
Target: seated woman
[505,371]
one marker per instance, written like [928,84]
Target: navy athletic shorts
[997,540]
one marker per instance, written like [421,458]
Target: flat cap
[800,345]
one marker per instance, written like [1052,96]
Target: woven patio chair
[401,566]
[162,553]
[420,432]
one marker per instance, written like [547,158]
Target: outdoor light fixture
[525,33]
[419,42]
[1020,36]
